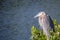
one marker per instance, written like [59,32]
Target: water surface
[17,17]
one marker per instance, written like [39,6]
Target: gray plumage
[45,22]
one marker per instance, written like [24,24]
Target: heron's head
[40,14]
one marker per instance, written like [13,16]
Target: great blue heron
[45,22]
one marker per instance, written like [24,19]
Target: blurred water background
[17,16]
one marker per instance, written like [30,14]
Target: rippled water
[16,17]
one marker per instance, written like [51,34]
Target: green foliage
[38,34]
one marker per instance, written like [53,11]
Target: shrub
[38,34]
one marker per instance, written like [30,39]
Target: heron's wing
[51,23]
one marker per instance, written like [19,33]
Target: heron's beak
[36,16]
[39,14]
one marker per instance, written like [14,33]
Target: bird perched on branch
[45,22]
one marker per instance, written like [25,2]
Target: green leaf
[38,34]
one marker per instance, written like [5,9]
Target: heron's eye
[40,17]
